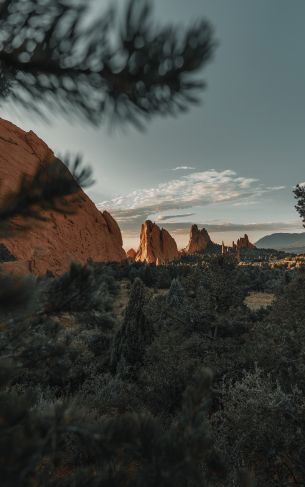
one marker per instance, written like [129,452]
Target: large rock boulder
[51,245]
[157,246]
[199,240]
[243,243]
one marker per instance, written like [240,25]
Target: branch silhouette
[50,60]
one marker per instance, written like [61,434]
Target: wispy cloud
[163,218]
[182,228]
[187,191]
[223,227]
[183,168]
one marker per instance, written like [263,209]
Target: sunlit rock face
[199,240]
[131,254]
[243,243]
[51,245]
[157,246]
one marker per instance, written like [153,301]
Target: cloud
[163,218]
[182,228]
[236,227]
[183,168]
[187,191]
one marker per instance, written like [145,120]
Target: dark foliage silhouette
[299,193]
[80,395]
[135,333]
[48,54]
[79,289]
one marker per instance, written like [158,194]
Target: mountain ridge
[292,242]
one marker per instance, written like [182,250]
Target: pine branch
[58,63]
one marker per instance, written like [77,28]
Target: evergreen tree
[299,193]
[175,295]
[51,60]
[135,333]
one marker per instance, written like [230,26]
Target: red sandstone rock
[157,246]
[53,244]
[17,267]
[243,243]
[131,254]
[199,240]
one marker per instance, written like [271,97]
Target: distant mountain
[288,242]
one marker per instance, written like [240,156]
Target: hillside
[288,242]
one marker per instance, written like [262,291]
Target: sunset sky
[230,164]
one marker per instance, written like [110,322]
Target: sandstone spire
[131,254]
[243,243]
[199,240]
[157,246]
[224,249]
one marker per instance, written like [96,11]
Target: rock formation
[243,243]
[199,240]
[131,254]
[157,246]
[51,245]
[224,249]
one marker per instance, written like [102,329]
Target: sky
[231,163]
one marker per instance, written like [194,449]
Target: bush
[82,288]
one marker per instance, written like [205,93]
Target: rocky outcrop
[51,245]
[199,240]
[224,249]
[157,246]
[243,243]
[131,254]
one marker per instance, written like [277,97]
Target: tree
[261,427]
[299,193]
[50,58]
[135,333]
[175,295]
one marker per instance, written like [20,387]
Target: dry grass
[256,301]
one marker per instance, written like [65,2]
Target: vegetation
[52,58]
[191,387]
[299,193]
[87,399]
